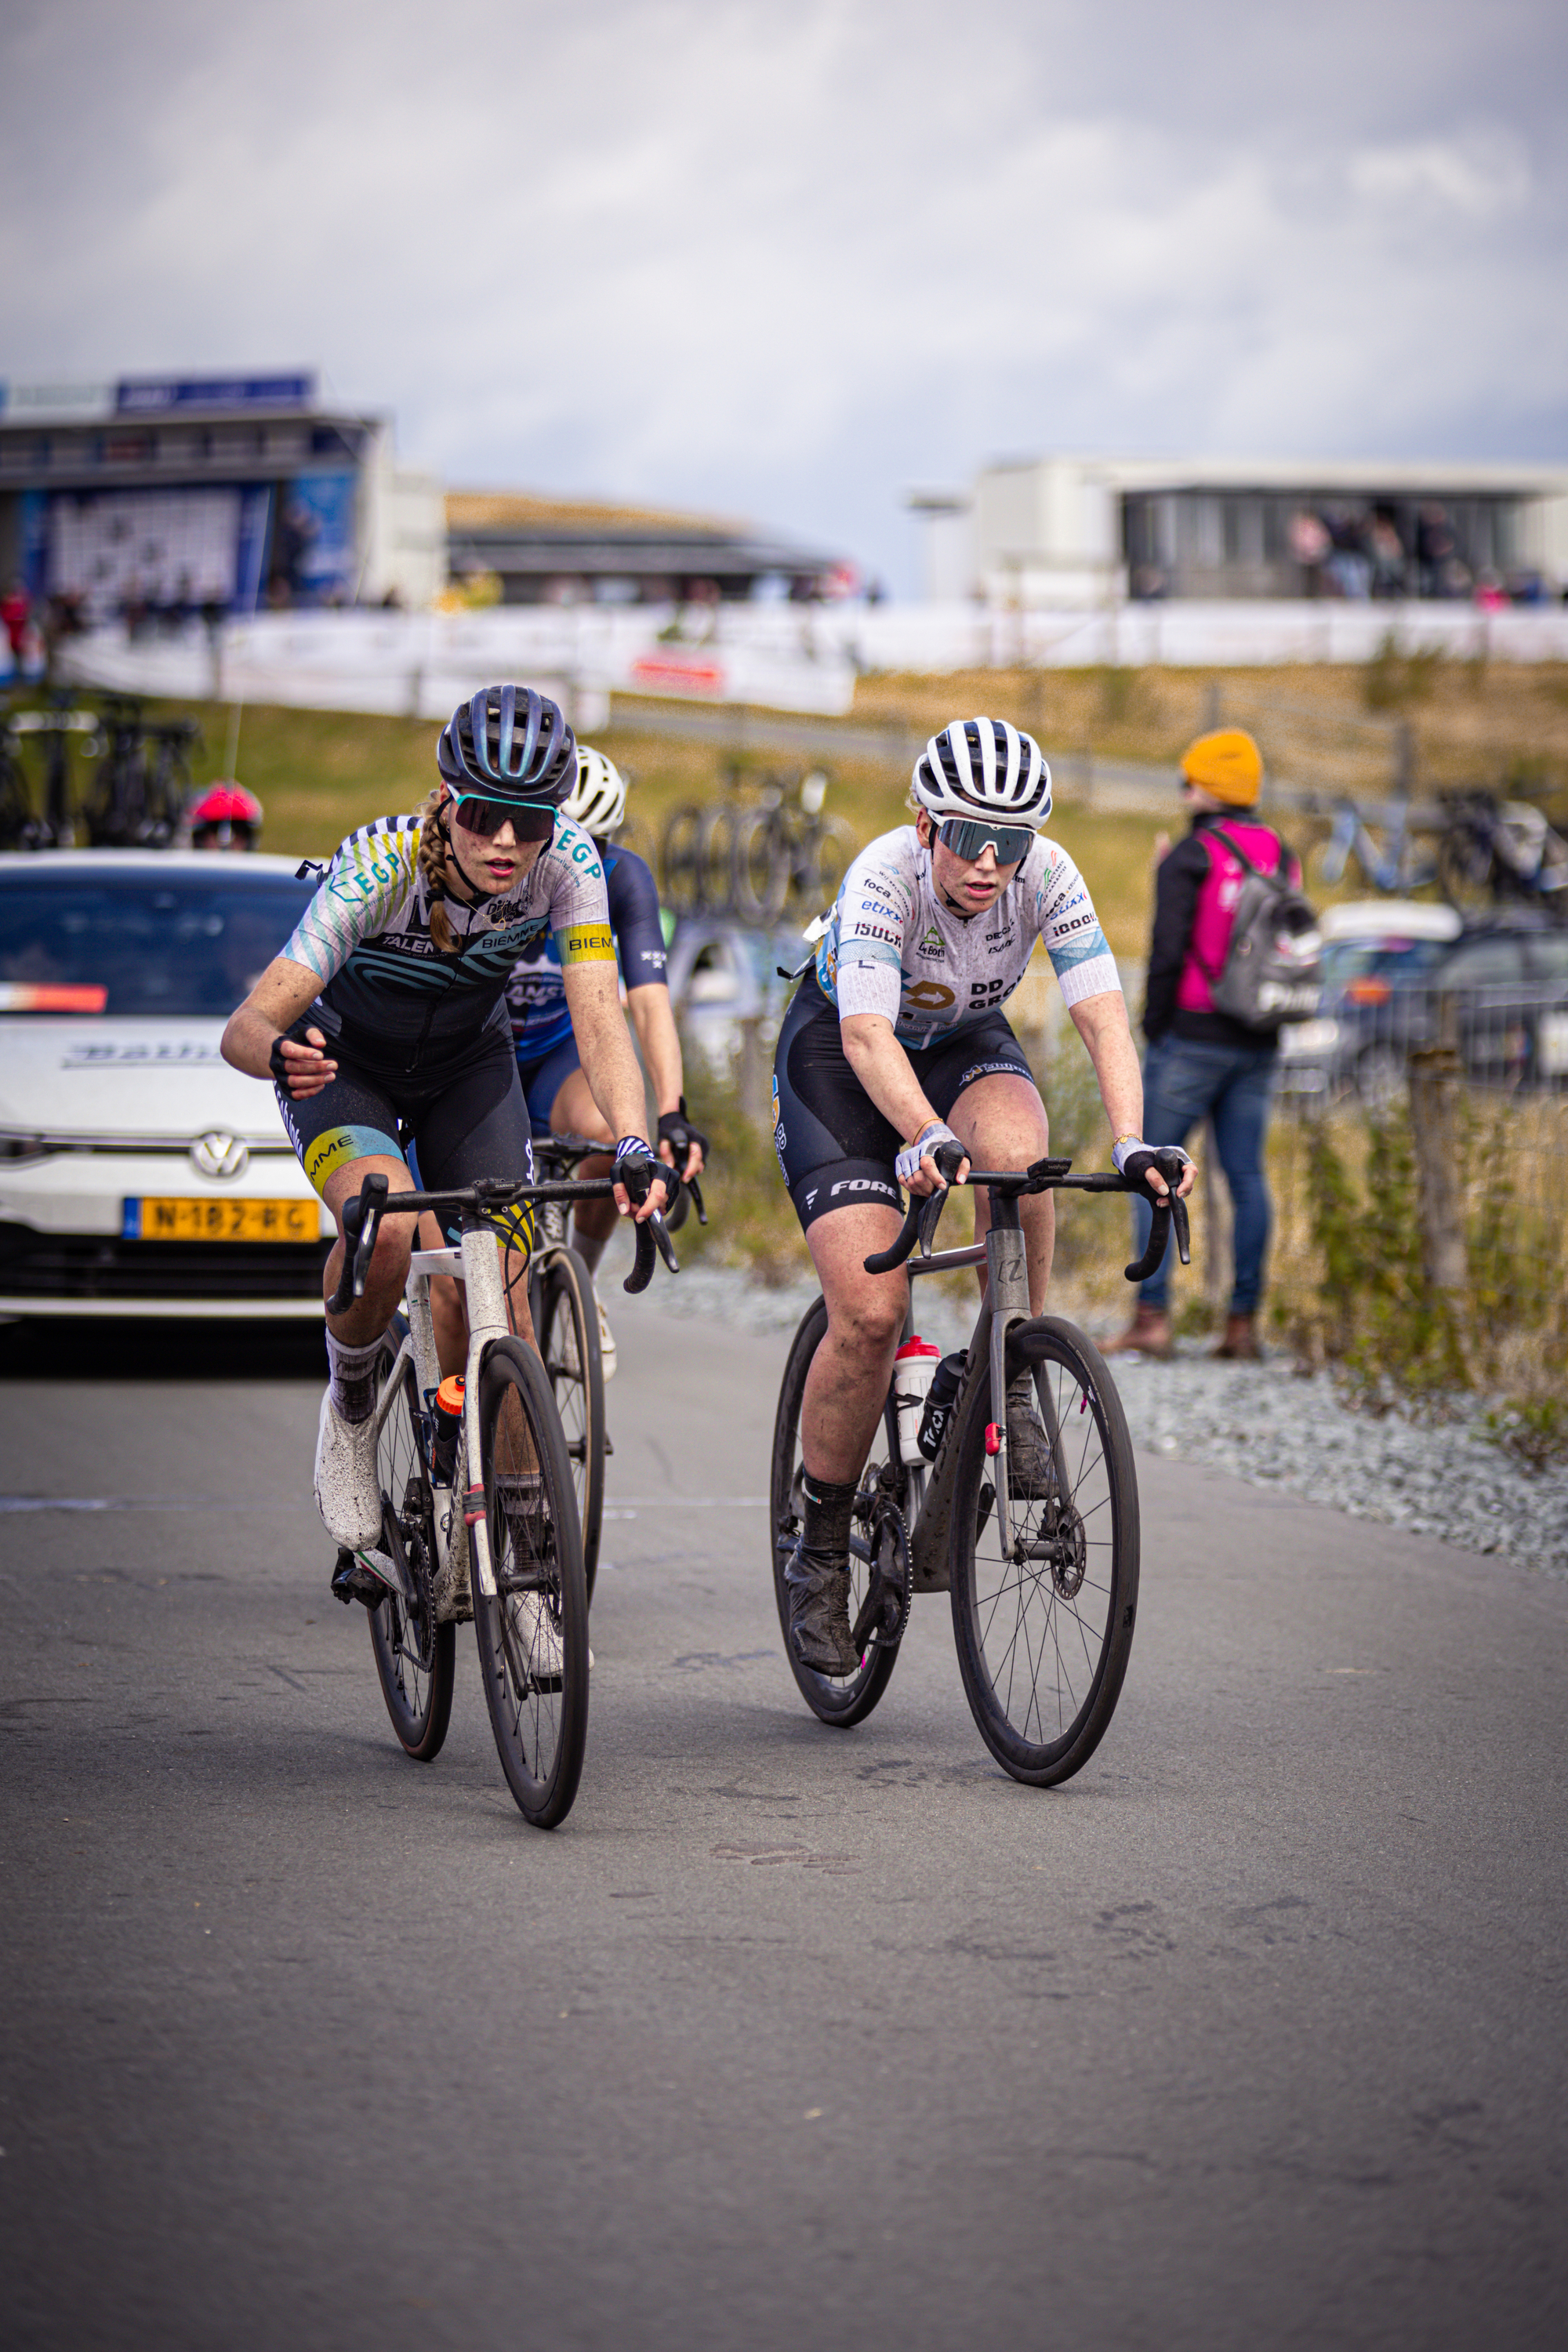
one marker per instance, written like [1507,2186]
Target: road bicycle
[1495,853]
[1398,868]
[477,1501]
[1043,1588]
[565,1310]
[55,826]
[141,789]
[789,852]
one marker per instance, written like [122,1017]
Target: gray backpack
[1272,972]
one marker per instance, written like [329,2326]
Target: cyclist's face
[968,885]
[492,862]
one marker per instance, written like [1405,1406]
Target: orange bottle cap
[449,1395]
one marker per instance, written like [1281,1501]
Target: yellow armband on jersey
[586,943]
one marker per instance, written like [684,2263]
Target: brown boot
[1240,1342]
[1149,1333]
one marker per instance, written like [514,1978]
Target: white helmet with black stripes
[983,767]
[598,802]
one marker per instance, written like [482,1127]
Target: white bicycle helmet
[598,799]
[983,767]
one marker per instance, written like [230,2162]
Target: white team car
[139,1174]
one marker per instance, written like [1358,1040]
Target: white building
[238,492]
[1074,533]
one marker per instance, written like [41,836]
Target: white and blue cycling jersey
[891,947]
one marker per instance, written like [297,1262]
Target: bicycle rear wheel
[839,1701]
[681,866]
[415,1657]
[1045,1634]
[762,867]
[533,1636]
[716,857]
[566,1321]
[825,857]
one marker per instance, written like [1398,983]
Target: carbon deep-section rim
[838,1701]
[416,1659]
[567,1326]
[533,1636]
[1044,1636]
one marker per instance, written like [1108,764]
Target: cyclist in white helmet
[554,1085]
[896,1065]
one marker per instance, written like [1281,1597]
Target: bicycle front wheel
[415,1657]
[533,1635]
[839,1700]
[681,864]
[823,861]
[1045,1630]
[567,1319]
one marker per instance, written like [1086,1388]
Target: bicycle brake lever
[362,1216]
[1183,1230]
[665,1246]
[695,1189]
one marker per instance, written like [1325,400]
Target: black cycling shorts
[467,1120]
[836,1148]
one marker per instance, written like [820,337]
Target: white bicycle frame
[477,1264]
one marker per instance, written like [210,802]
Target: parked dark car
[1387,970]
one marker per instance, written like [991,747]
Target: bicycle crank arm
[390,1573]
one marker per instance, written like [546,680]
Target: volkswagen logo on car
[217,1154]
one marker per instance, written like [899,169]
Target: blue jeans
[1184,1083]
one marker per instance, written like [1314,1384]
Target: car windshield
[1348,960]
[141,943]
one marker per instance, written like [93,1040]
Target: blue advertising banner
[250,549]
[159,396]
[314,540]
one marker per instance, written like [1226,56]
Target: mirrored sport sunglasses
[487,817]
[967,838]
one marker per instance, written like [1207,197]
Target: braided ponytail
[436,863]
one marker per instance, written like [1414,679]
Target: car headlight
[1309,1037]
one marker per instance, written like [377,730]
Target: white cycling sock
[351,1378]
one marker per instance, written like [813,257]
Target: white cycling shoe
[606,1342]
[347,1495]
[544,1652]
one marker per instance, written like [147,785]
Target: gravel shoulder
[1269,1424]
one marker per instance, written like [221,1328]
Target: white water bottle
[914,1369]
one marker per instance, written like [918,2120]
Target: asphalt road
[1252,2036]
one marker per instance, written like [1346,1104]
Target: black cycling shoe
[1031,1472]
[352,1580]
[819,1633]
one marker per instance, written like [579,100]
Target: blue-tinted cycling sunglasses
[487,817]
[967,838]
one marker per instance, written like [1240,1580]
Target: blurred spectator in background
[1200,1064]
[1436,548]
[1387,552]
[1310,545]
[15,611]
[1349,568]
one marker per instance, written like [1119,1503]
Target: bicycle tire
[839,1702]
[716,857]
[416,1659]
[824,859]
[681,867]
[566,1324]
[634,835]
[533,1636]
[762,867]
[1080,1647]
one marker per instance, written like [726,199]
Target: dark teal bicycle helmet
[508,743]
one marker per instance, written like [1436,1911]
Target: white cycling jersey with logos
[890,946]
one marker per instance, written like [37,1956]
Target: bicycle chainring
[885,1612]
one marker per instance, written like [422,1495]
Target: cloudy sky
[788,261]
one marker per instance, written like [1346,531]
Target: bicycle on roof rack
[1044,1586]
[563,1304]
[479,1501]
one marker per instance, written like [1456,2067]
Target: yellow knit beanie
[1227,764]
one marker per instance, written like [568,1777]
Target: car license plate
[154,1220]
